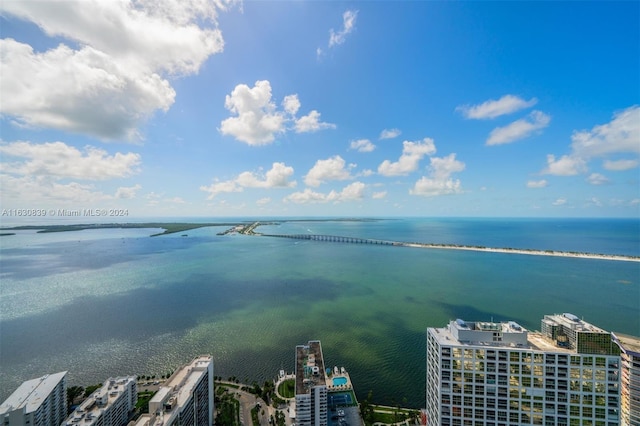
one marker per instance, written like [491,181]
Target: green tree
[256,390]
[90,389]
[366,409]
[227,408]
[73,392]
[267,391]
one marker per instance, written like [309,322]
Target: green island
[169,227]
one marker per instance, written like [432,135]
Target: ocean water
[101,303]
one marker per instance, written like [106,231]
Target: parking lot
[347,416]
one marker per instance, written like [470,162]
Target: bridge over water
[333,239]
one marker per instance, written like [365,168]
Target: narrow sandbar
[527,252]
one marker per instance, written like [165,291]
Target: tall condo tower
[37,402]
[500,374]
[185,399]
[311,386]
[110,405]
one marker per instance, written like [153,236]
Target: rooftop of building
[310,370]
[489,326]
[539,341]
[446,337]
[573,322]
[32,393]
[629,343]
[175,392]
[99,401]
[182,382]
[535,340]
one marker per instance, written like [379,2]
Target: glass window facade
[518,385]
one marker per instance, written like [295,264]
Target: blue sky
[196,108]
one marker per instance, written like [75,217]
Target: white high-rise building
[499,374]
[185,399]
[311,386]
[37,402]
[110,405]
[629,379]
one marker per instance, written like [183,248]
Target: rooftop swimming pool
[339,381]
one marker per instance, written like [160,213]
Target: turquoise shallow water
[110,302]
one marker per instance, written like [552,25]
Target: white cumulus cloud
[311,123]
[173,36]
[258,120]
[218,187]
[118,76]
[537,183]
[352,192]
[59,160]
[332,168]
[291,104]
[439,181]
[348,25]
[276,177]
[389,134]
[430,187]
[560,202]
[597,179]
[306,196]
[620,165]
[519,129]
[619,136]
[39,191]
[564,166]
[127,192]
[362,145]
[412,153]
[83,91]
[496,107]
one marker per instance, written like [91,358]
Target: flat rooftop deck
[535,341]
[32,393]
[540,342]
[309,367]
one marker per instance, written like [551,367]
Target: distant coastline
[530,252]
[169,228]
[248,228]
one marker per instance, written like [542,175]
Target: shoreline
[530,252]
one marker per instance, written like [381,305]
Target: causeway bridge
[333,239]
